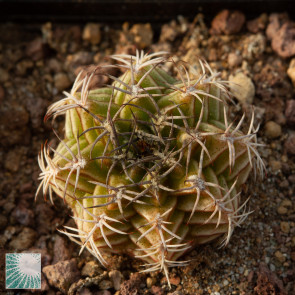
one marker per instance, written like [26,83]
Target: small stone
[234,60]
[61,250]
[156,290]
[285,227]
[149,282]
[227,22]
[12,160]
[290,144]
[276,20]
[3,221]
[282,210]
[257,24]
[283,43]
[4,75]
[225,282]
[105,284]
[272,129]
[92,33]
[280,257]
[291,70]
[62,81]
[23,215]
[24,240]
[116,278]
[35,49]
[62,274]
[2,93]
[175,281]
[143,35]
[242,88]
[290,110]
[275,165]
[91,269]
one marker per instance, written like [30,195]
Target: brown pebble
[290,144]
[285,227]
[62,274]
[116,277]
[234,60]
[283,42]
[90,269]
[143,35]
[227,22]
[280,257]
[2,93]
[273,129]
[290,111]
[62,81]
[24,240]
[35,49]
[91,33]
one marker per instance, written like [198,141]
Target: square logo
[23,271]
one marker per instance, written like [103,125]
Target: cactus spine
[150,165]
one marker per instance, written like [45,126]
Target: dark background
[115,11]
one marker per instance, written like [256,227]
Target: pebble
[12,160]
[116,277]
[4,75]
[105,284]
[257,24]
[61,250]
[242,88]
[91,33]
[62,274]
[291,70]
[285,227]
[2,93]
[3,221]
[290,144]
[24,240]
[23,215]
[280,257]
[225,282]
[234,60]
[290,111]
[143,35]
[283,43]
[150,282]
[62,81]
[91,269]
[272,129]
[275,165]
[175,281]
[35,49]
[227,22]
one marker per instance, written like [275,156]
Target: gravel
[40,63]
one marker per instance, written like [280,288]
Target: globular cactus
[150,165]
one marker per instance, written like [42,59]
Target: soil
[38,62]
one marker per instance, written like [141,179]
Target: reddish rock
[283,43]
[290,111]
[276,20]
[62,274]
[156,290]
[35,49]
[131,286]
[227,22]
[258,24]
[268,282]
[61,251]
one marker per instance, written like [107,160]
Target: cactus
[150,165]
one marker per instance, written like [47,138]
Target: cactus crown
[150,165]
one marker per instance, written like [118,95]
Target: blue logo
[23,271]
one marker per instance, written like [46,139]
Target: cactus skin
[150,165]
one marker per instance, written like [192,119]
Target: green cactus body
[150,165]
